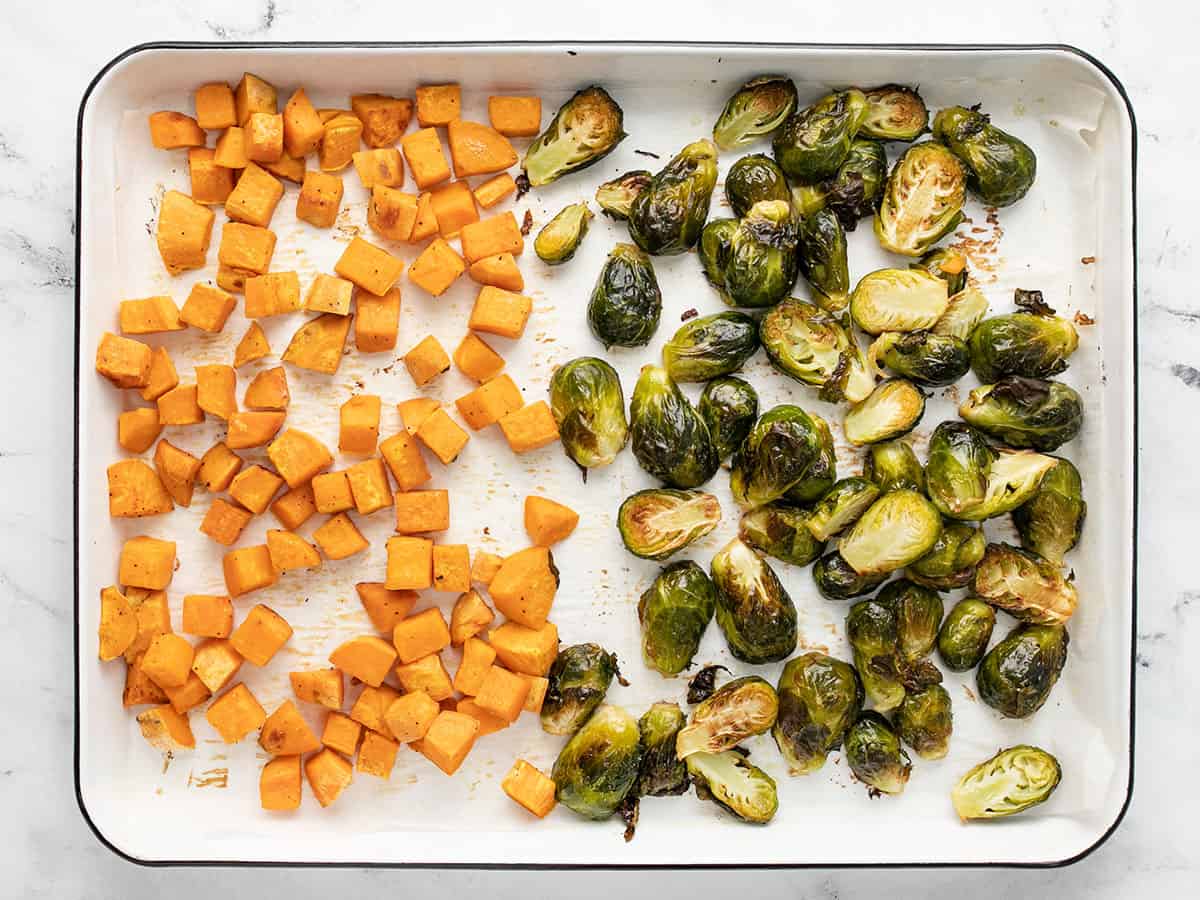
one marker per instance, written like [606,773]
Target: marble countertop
[51,50]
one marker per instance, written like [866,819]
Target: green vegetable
[892,466]
[837,581]
[661,773]
[626,302]
[894,113]
[589,407]
[754,610]
[875,756]
[874,640]
[1024,585]
[964,635]
[809,198]
[951,563]
[898,300]
[668,214]
[782,531]
[918,613]
[925,358]
[922,201]
[674,611]
[947,264]
[854,192]
[815,141]
[735,784]
[669,438]
[822,473]
[967,479]
[1010,782]
[585,130]
[561,236]
[822,256]
[925,721]
[599,764]
[897,529]
[779,451]
[1050,521]
[841,507]
[1000,167]
[753,178]
[615,198]
[752,262]
[1025,412]
[737,710]
[710,346]
[893,409]
[814,348]
[579,679]
[964,311]
[1036,346]
[759,107]
[729,407]
[819,698]
[658,523]
[1017,675]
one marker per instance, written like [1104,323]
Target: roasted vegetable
[703,683]
[674,611]
[1051,520]
[898,300]
[658,523]
[615,198]
[585,129]
[965,633]
[782,531]
[729,407]
[752,262]
[710,346]
[893,466]
[1024,585]
[753,178]
[599,764]
[1010,782]
[875,756]
[947,264]
[661,772]
[716,246]
[754,610]
[837,581]
[922,201]
[806,344]
[918,616]
[1025,412]
[589,407]
[893,409]
[1035,346]
[816,140]
[1016,676]
[759,107]
[854,192]
[841,507]
[626,302]
[925,721]
[964,311]
[561,236]
[925,358]
[822,474]
[894,113]
[733,783]
[819,698]
[579,679]
[871,631]
[669,438]
[669,213]
[967,479]
[897,529]
[779,451]
[951,563]
[737,710]
[822,256]
[1000,167]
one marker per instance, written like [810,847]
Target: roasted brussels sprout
[754,611]
[922,200]
[840,507]
[808,198]
[816,140]
[951,563]
[835,579]
[918,613]
[782,531]
[894,113]
[871,631]
[1000,167]
[779,450]
[897,529]
[669,438]
[737,710]
[1024,585]
[661,773]
[729,407]
[1025,412]
[947,264]
[822,474]
[759,107]
[925,721]
[819,698]
[1050,521]
[589,407]
[893,466]
[626,302]
[814,348]
[752,262]
[965,310]
[964,635]
[923,357]
[1010,782]
[703,683]
[822,256]
[669,213]
[711,346]
[893,409]
[658,523]
[561,236]
[1021,343]
[1016,676]
[585,130]
[735,784]
[599,764]
[615,198]
[966,479]
[875,756]
[753,178]
[854,192]
[674,611]
[579,679]
[898,300]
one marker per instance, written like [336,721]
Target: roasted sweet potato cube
[254,488]
[248,569]
[153,618]
[377,755]
[426,224]
[404,460]
[366,657]
[339,538]
[477,659]
[261,635]
[150,315]
[290,551]
[478,149]
[371,268]
[381,166]
[207,308]
[436,268]
[494,190]
[499,271]
[369,485]
[490,402]
[188,695]
[418,512]
[137,429]
[419,635]
[168,660]
[171,130]
[485,566]
[252,346]
[372,705]
[409,563]
[438,104]
[118,624]
[340,142]
[328,775]
[443,436]
[252,429]
[253,201]
[538,686]
[528,651]
[268,390]
[184,232]
[423,153]
[377,321]
[279,784]
[147,562]
[302,127]
[208,615]
[516,116]
[180,406]
[325,687]
[320,199]
[489,723]
[285,733]
[530,427]
[235,714]
[391,213]
[359,424]
[478,361]
[298,456]
[215,663]
[491,237]
[426,674]
[224,522]
[162,375]
[469,617]
[123,361]
[139,689]
[271,295]
[502,693]
[454,206]
[218,465]
[329,294]
[232,279]
[409,716]
[341,733]
[252,95]
[295,507]
[215,106]
[384,118]
[449,740]
[500,312]
[530,787]
[289,168]
[211,184]
[524,588]
[548,522]
[415,411]
[216,390]
[331,492]
[264,136]
[135,490]
[166,729]
[451,567]
[426,361]
[230,152]
[248,248]
[317,345]
[385,608]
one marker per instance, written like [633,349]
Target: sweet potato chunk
[230,152]
[339,538]
[494,190]
[341,733]
[426,674]
[184,232]
[489,723]
[149,315]
[162,377]
[285,733]
[248,569]
[359,424]
[329,294]
[215,106]
[254,487]
[272,294]
[377,321]
[369,485]
[168,660]
[147,562]
[252,429]
[331,493]
[381,166]
[320,199]
[499,271]
[208,615]
[139,689]
[408,717]
[530,427]
[409,563]
[317,345]
[414,411]
[528,651]
[268,390]
[500,312]
[207,308]
[385,608]
[538,686]
[371,268]
[188,695]
[470,616]
[384,118]
[279,784]
[166,730]
[530,787]
[438,104]
[235,714]
[216,390]
[340,142]
[252,346]
[377,755]
[426,224]
[252,95]
[423,153]
[490,402]
[436,268]
[180,406]
[477,659]
[218,465]
[451,567]
[322,686]
[123,361]
[420,635]
[252,201]
[391,213]
[372,705]
[426,361]
[491,237]
[366,657]
[443,436]
[224,522]
[135,490]
[215,663]
[302,127]
[118,624]
[261,635]
[548,522]
[153,618]
[454,206]
[328,775]
[449,740]
[290,551]
[264,136]
[246,248]
[485,566]
[516,116]
[137,429]
[211,184]
[174,130]
[478,149]
[502,693]
[295,507]
[477,360]
[298,456]
[524,588]
[404,460]
[418,512]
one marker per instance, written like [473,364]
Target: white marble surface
[48,53]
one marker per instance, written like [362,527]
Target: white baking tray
[203,806]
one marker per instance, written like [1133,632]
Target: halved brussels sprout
[922,201]
[661,773]
[925,721]
[1024,585]
[579,679]
[966,309]
[1050,521]
[898,300]
[814,348]
[779,451]
[893,466]
[757,108]
[710,346]
[674,612]
[735,784]
[841,507]
[966,479]
[1017,675]
[754,610]
[822,474]
[1035,346]
[753,178]
[951,563]
[894,113]
[947,264]
[589,407]
[835,579]
[669,438]
[918,616]
[923,357]
[808,198]
[1025,412]
[561,236]
[819,698]
[854,192]
[816,140]
[964,635]
[716,247]
[752,262]
[729,407]
[1010,782]
[1000,167]
[737,710]
[626,302]
[615,198]
[599,764]
[893,409]
[875,756]
[822,256]
[585,130]
[669,213]
[873,637]
[781,531]
[897,529]
[658,523]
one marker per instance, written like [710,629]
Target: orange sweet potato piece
[426,674]
[415,411]
[188,695]
[162,377]
[528,651]
[438,104]
[207,308]
[328,775]
[485,566]
[123,361]
[248,569]
[383,165]
[530,787]
[137,429]
[476,359]
[491,237]
[279,784]
[404,460]
[384,118]
[418,512]
[426,361]
[490,402]
[502,693]
[254,487]
[359,424]
[409,563]
[499,271]
[516,116]
[215,663]
[469,617]
[320,199]
[230,151]
[340,142]
[264,136]
[548,522]
[261,635]
[328,294]
[174,130]
[449,740]
[420,635]
[372,705]
[477,659]
[530,427]
[321,686]
[302,127]
[454,207]
[538,686]
[184,232]
[272,294]
[377,755]
[253,201]
[408,717]
[443,436]
[285,733]
[216,390]
[290,551]
[423,153]
[438,267]
[495,189]
[168,660]
[268,390]
[384,607]
[166,729]
[478,149]
[135,490]
[366,657]
[215,106]
[341,733]
[146,562]
[377,321]
[524,588]
[500,312]
[298,456]
[451,567]
[118,624]
[180,406]
[208,615]
[295,507]
[371,268]
[252,346]
[149,315]
[252,429]
[340,538]
[369,485]
[426,224]
[224,522]
[211,183]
